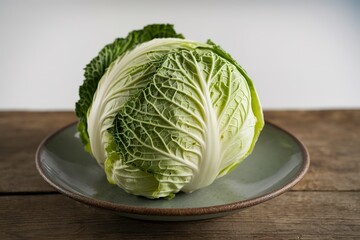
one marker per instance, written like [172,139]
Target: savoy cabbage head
[162,114]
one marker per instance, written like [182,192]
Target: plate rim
[176,212]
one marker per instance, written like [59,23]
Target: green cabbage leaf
[97,67]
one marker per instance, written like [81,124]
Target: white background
[300,54]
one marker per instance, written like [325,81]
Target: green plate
[279,160]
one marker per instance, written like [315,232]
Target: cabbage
[165,114]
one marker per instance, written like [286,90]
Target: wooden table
[325,204]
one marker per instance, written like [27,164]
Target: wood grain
[333,141]
[332,138]
[324,205]
[20,135]
[294,215]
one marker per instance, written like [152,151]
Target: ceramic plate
[279,160]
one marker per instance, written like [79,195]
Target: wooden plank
[21,133]
[332,137]
[333,140]
[293,215]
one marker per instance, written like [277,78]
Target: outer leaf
[255,103]
[125,77]
[97,67]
